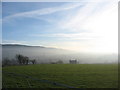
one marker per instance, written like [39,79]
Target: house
[73,61]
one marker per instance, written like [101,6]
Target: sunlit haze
[79,26]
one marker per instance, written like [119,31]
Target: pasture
[61,76]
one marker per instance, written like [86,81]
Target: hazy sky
[81,26]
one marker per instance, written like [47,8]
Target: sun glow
[81,26]
[103,31]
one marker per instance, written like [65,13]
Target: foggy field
[65,44]
[74,75]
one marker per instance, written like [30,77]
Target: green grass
[76,75]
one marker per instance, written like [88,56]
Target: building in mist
[73,61]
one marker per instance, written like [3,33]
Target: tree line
[20,60]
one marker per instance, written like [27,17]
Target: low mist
[48,55]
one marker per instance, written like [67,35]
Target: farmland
[69,75]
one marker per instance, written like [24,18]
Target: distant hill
[19,45]
[40,53]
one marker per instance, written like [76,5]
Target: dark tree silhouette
[33,61]
[20,58]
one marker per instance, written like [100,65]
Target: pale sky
[79,26]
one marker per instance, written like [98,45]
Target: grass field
[75,75]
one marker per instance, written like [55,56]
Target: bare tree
[33,61]
[20,58]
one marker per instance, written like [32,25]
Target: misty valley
[65,44]
[46,55]
[43,67]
